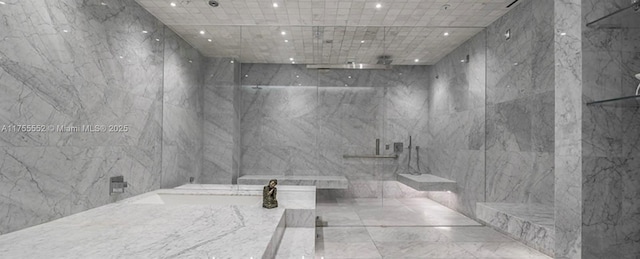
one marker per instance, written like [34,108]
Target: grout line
[374,242]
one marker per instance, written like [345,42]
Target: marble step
[532,224]
[427,182]
[319,181]
[297,243]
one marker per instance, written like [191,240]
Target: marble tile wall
[220,121]
[302,121]
[455,130]
[65,64]
[611,137]
[520,105]
[509,86]
[77,63]
[182,120]
[278,122]
[568,132]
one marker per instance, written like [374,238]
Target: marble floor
[407,228]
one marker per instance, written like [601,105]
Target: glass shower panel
[351,109]
[278,111]
[220,99]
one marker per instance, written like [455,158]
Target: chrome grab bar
[377,155]
[371,156]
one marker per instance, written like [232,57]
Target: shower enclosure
[310,122]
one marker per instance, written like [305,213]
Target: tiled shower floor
[407,228]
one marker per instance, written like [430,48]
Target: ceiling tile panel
[327,31]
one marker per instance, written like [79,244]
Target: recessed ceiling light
[202,32]
[103,3]
[416,60]
[378,6]
[283,33]
[157,39]
[286,40]
[275,5]
[361,41]
[145,32]
[121,57]
[293,62]
[2,3]
[190,61]
[65,31]
[232,61]
[291,59]
[246,75]
[349,76]
[173,4]
[297,76]
[210,40]
[446,34]
[563,33]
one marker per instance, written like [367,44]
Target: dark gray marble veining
[75,63]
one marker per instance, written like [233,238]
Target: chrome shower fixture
[117,184]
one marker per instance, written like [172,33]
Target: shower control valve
[397,147]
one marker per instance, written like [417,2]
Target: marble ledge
[428,182]
[319,181]
[298,201]
[127,229]
[532,224]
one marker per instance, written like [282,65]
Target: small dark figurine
[269,193]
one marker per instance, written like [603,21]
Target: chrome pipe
[371,156]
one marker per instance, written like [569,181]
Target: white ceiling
[327,32]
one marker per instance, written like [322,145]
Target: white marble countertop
[129,230]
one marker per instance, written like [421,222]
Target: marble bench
[427,182]
[532,224]
[319,181]
[143,227]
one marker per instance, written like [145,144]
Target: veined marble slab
[128,229]
[533,224]
[427,182]
[319,181]
[298,201]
